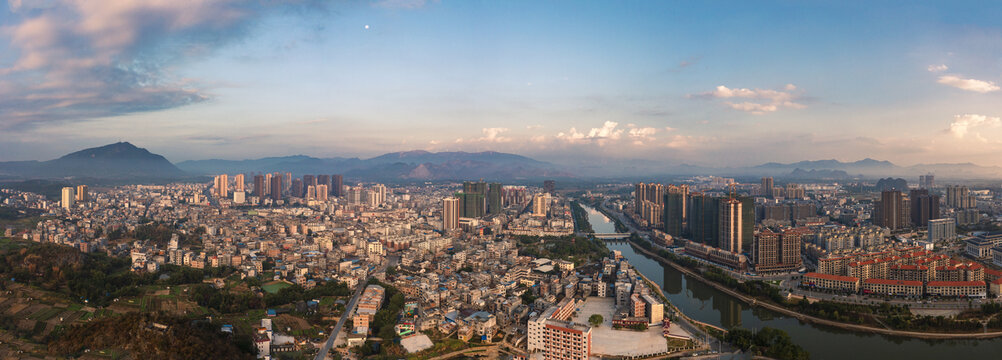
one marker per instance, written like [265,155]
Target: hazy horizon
[720,84]
[209,157]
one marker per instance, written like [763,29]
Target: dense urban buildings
[959,197]
[774,251]
[457,247]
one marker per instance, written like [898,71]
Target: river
[704,303]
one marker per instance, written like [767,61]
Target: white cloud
[494,135]
[754,108]
[759,101]
[608,131]
[979,86]
[688,142]
[491,135]
[643,135]
[962,124]
[938,68]
[643,132]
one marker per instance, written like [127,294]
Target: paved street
[348,309]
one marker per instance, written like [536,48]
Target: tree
[595,320]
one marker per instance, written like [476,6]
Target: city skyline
[720,84]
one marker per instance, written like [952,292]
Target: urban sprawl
[508,271]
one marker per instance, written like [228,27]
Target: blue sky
[719,83]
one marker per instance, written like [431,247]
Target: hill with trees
[152,336]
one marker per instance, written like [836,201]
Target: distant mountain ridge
[125,162]
[830,164]
[120,160]
[870,168]
[404,165]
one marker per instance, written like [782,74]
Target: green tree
[595,320]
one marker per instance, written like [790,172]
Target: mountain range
[113,161]
[126,162]
[409,165]
[870,168]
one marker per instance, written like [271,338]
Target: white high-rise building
[355,195]
[239,197]
[534,330]
[942,229]
[378,195]
[730,225]
[541,204]
[238,182]
[69,197]
[450,213]
[222,184]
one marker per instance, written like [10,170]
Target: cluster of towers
[726,222]
[278,185]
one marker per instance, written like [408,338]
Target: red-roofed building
[911,273]
[992,275]
[956,288]
[893,287]
[995,287]
[831,282]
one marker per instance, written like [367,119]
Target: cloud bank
[755,101]
[81,59]
[975,85]
[962,124]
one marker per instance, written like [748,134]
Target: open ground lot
[274,286]
[606,341]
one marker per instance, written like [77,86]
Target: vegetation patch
[154,336]
[274,286]
[768,342]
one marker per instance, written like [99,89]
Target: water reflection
[672,281]
[730,312]
[599,223]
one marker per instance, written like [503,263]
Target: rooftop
[831,277]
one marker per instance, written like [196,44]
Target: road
[348,310]
[913,303]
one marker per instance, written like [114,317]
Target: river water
[706,304]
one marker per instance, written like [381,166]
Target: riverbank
[807,318]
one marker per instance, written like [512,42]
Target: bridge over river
[611,236]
